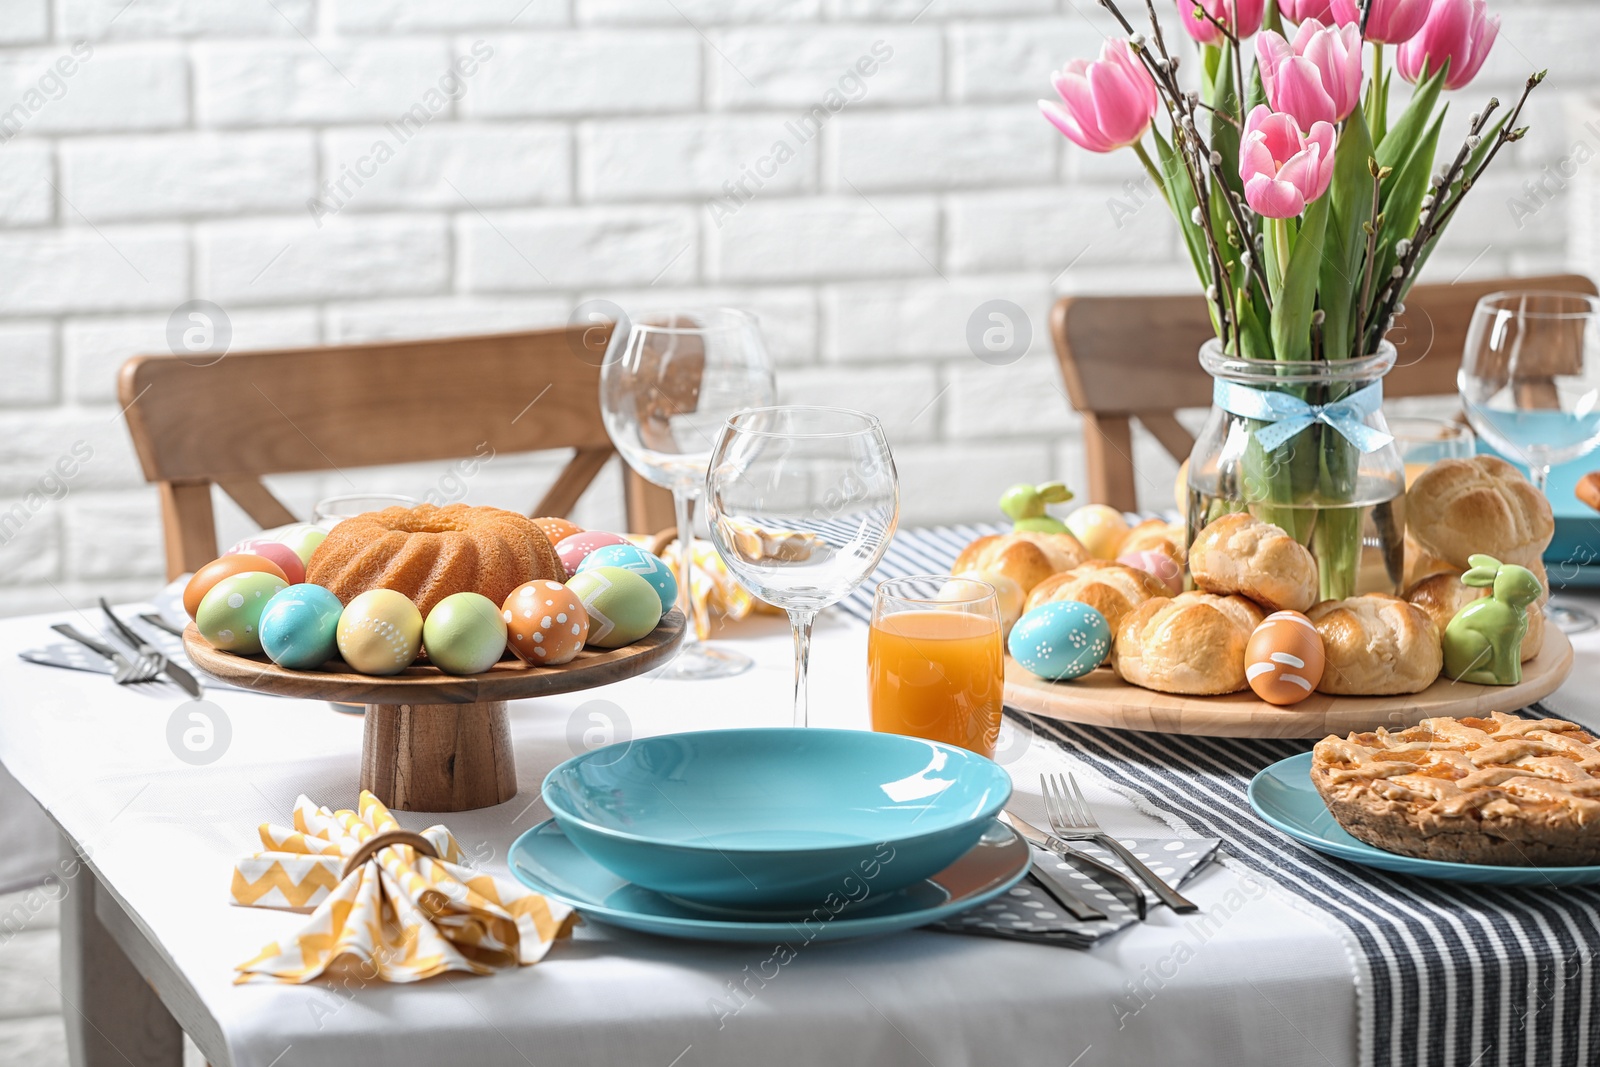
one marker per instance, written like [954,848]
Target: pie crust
[1503,790]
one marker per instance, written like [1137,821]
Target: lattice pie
[1502,790]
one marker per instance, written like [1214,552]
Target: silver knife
[1051,843]
[184,679]
[1059,891]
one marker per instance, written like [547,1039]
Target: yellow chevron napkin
[400,916]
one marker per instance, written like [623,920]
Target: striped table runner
[1447,973]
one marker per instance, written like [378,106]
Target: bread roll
[1376,645]
[1459,507]
[1025,557]
[1110,588]
[1442,595]
[1240,554]
[1166,537]
[1192,643]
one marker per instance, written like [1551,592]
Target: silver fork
[1072,820]
[123,670]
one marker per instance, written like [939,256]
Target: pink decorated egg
[1156,562]
[285,557]
[546,623]
[573,549]
[1284,659]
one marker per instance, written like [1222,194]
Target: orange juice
[937,675]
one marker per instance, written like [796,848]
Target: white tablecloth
[1268,984]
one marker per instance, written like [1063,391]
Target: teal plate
[1573,557]
[1283,795]
[544,860]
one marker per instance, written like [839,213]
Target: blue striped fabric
[1448,974]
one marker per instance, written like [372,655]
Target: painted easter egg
[546,623]
[1284,658]
[225,567]
[299,627]
[302,537]
[229,616]
[619,611]
[558,530]
[1007,593]
[288,561]
[380,632]
[651,568]
[1156,562]
[464,634]
[572,550]
[1060,640]
[1100,528]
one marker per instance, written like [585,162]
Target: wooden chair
[333,408]
[1127,358]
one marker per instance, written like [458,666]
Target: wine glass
[1530,382]
[668,383]
[332,510]
[802,503]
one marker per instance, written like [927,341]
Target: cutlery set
[141,661]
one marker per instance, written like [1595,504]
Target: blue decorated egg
[299,627]
[464,634]
[1060,640]
[650,567]
[229,615]
[622,607]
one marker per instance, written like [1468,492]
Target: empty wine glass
[802,503]
[332,510]
[668,383]
[1530,382]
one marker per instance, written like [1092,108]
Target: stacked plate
[750,835]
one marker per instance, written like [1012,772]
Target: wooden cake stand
[435,741]
[1100,698]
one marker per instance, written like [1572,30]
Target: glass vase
[1344,504]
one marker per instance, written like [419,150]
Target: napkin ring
[377,842]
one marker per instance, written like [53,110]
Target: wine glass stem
[1539,475]
[800,622]
[683,504]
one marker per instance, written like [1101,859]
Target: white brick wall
[585,149]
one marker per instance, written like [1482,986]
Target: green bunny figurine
[1483,643]
[1024,505]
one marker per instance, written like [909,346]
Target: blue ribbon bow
[1288,414]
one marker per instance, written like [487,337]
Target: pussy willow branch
[1233,39]
[1372,249]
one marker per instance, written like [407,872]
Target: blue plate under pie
[544,860]
[1285,798]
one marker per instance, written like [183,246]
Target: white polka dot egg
[546,623]
[1060,640]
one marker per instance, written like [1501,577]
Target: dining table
[1270,970]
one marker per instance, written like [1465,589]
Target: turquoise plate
[762,818]
[1283,795]
[544,860]
[1573,558]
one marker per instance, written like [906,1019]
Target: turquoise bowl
[775,819]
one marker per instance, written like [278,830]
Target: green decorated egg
[464,634]
[380,632]
[622,606]
[229,615]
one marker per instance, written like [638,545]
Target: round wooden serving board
[1102,699]
[435,741]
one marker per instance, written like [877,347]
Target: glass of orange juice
[935,661]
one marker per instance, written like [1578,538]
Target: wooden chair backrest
[332,408]
[1128,358]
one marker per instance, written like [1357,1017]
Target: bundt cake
[429,552]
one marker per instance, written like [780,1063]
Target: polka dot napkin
[1026,912]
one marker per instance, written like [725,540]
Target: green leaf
[1210,58]
[1253,336]
[1402,194]
[1291,315]
[1180,198]
[1400,140]
[1474,161]
[1350,194]
[1224,134]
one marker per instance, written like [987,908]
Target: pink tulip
[1105,105]
[1301,10]
[1391,21]
[1243,17]
[1282,169]
[1318,78]
[1461,31]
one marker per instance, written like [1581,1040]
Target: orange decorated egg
[1284,659]
[557,530]
[225,567]
[546,623]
